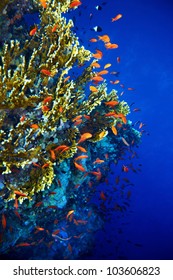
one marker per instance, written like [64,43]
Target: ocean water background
[145,38]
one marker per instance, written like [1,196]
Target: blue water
[145,38]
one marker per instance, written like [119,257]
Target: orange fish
[81,157]
[103,72]
[24,244]
[63,150]
[52,154]
[90,184]
[39,228]
[119,125]
[129,194]
[82,149]
[47,99]
[33,31]
[77,118]
[87,117]
[38,204]
[4,221]
[54,28]
[69,248]
[77,236]
[70,218]
[75,222]
[20,193]
[107,65]
[111,103]
[85,175]
[60,109]
[46,72]
[95,64]
[52,193]
[22,118]
[55,222]
[11,229]
[93,40]
[34,125]
[79,167]
[102,195]
[66,79]
[83,222]
[77,122]
[89,213]
[123,118]
[84,137]
[110,114]
[40,241]
[52,207]
[97,174]
[93,89]
[16,203]
[130,88]
[17,215]
[43,3]
[102,134]
[97,79]
[118,59]
[56,232]
[45,108]
[75,4]
[115,82]
[36,164]
[98,54]
[69,213]
[104,38]
[106,156]
[141,125]
[114,130]
[59,148]
[111,46]
[117,17]
[98,161]
[45,165]
[125,168]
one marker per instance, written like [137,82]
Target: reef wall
[51,133]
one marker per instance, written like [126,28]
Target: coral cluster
[37,98]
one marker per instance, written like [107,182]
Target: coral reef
[45,116]
[35,93]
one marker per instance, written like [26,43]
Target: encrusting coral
[38,102]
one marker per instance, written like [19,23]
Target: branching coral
[37,97]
